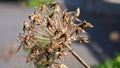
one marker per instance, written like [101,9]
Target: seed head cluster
[48,32]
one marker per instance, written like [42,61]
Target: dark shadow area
[9,0]
[106,18]
[94,5]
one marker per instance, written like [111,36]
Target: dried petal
[77,12]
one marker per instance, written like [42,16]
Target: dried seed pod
[77,12]
[43,8]
[29,58]
[84,24]
[25,26]
[87,24]
[83,39]
[65,18]
[21,39]
[55,6]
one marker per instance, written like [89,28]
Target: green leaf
[33,3]
[102,66]
[109,63]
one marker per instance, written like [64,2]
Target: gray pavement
[11,18]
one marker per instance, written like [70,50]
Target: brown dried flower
[49,33]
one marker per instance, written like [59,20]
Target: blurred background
[102,52]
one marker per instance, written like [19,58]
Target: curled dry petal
[77,12]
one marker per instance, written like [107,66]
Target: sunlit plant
[49,34]
[109,63]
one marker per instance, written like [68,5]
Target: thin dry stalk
[77,56]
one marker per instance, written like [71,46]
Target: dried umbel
[49,33]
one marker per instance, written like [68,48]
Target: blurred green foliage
[33,3]
[110,63]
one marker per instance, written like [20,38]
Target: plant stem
[77,56]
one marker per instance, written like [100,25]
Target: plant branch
[77,57]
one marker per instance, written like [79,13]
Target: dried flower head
[49,33]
